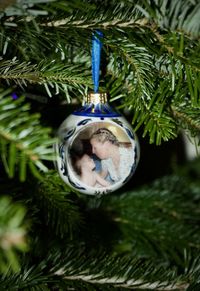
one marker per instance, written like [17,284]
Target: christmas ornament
[97,151]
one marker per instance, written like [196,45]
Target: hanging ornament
[97,151]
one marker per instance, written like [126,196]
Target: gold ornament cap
[97,98]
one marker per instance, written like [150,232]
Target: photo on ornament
[102,154]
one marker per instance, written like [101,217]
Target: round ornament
[97,151]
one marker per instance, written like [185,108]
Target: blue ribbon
[96,58]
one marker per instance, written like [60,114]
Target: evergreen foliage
[23,141]
[12,235]
[143,237]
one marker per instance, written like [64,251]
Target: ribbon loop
[96,58]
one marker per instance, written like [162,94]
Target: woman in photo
[85,168]
[116,160]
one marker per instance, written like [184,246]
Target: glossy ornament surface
[97,151]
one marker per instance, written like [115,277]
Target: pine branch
[188,118]
[28,278]
[179,15]
[55,78]
[118,272]
[24,142]
[151,102]
[60,213]
[169,220]
[12,235]
[148,101]
[101,272]
[77,270]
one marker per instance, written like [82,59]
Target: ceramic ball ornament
[98,151]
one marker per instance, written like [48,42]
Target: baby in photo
[85,167]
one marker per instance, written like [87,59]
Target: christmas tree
[145,236]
